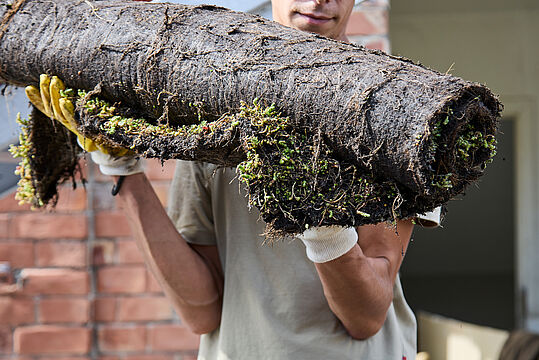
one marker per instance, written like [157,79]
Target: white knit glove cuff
[327,243]
[117,166]
[430,219]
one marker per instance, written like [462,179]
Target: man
[272,302]
[333,294]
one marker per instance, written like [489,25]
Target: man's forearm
[188,281]
[359,284]
[356,292]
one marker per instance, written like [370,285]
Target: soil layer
[391,121]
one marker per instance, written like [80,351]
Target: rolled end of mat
[461,141]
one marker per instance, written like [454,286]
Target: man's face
[327,18]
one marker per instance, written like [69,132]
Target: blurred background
[72,284]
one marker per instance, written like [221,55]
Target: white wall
[493,42]
[13,102]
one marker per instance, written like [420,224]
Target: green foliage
[471,141]
[114,122]
[26,192]
[437,130]
[443,181]
[286,170]
[295,172]
[292,176]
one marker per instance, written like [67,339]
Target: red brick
[152,308]
[64,310]
[189,357]
[70,199]
[83,166]
[19,254]
[47,339]
[4,225]
[16,311]
[103,252]
[61,253]
[100,177]
[152,285]
[128,252]
[378,44]
[368,22]
[48,226]
[122,339]
[105,309]
[6,341]
[8,203]
[172,338]
[55,281]
[103,200]
[155,171]
[122,279]
[111,224]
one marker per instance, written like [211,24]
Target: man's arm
[190,275]
[359,284]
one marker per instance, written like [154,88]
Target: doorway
[465,270]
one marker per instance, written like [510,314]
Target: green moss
[437,131]
[292,176]
[469,144]
[472,141]
[140,126]
[443,181]
[293,172]
[26,192]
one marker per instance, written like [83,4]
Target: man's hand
[52,100]
[49,100]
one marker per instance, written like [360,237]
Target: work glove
[326,243]
[431,219]
[52,101]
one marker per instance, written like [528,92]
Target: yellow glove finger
[44,85]
[86,143]
[67,111]
[56,85]
[34,96]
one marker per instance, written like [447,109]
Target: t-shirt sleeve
[430,219]
[189,205]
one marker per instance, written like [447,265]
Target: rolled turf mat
[322,132]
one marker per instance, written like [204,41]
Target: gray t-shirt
[273,303]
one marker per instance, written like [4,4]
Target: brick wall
[80,288]
[83,291]
[369,25]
